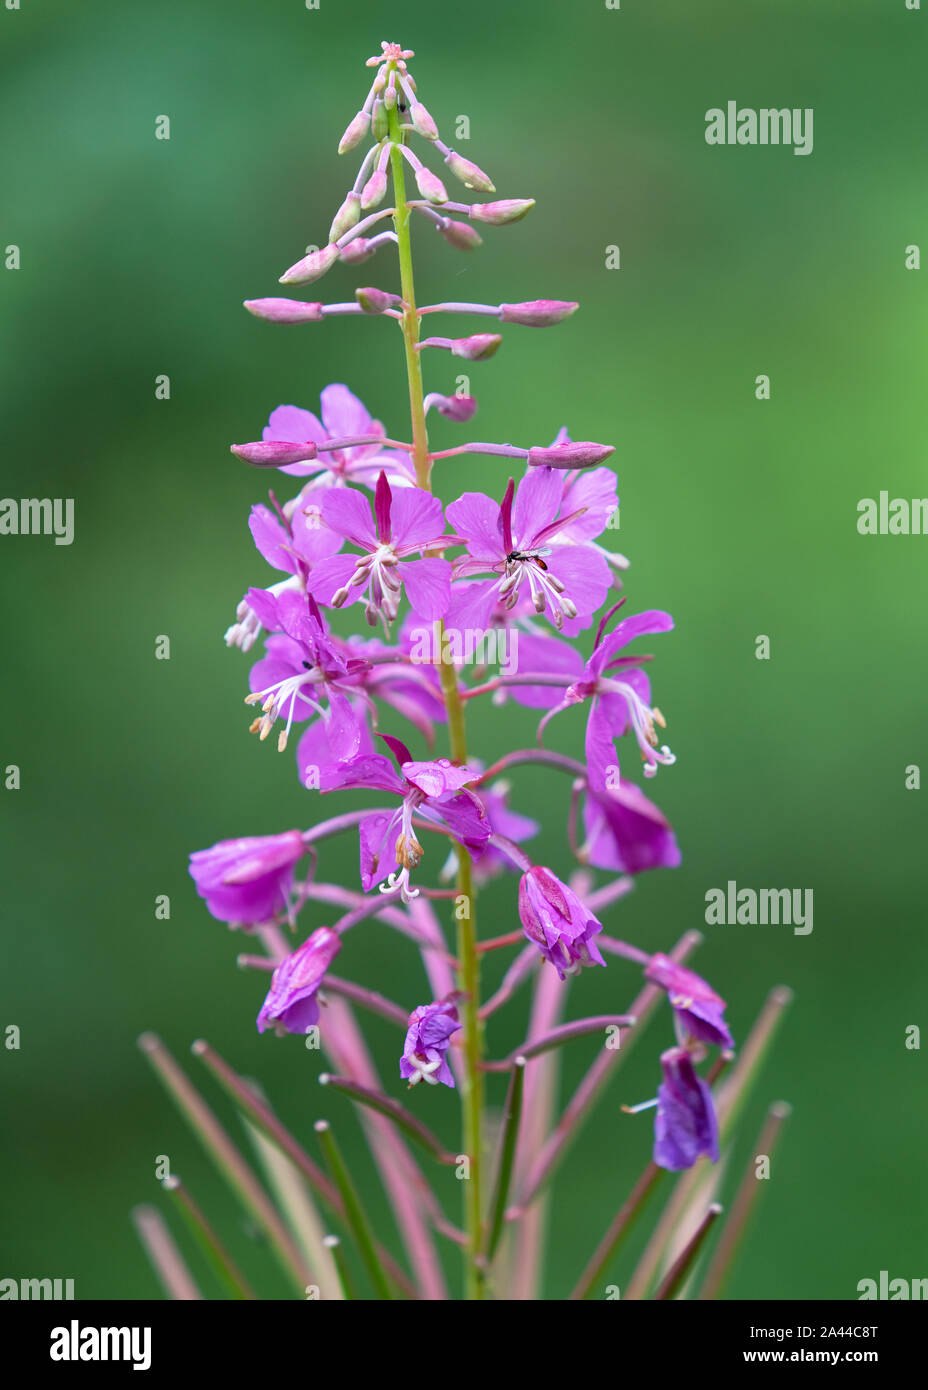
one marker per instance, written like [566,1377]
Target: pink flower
[247,882]
[290,1006]
[556,920]
[402,524]
[344,416]
[516,541]
[433,790]
[431,1027]
[304,672]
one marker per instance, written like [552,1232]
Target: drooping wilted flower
[431,1028]
[685,1126]
[695,1003]
[247,881]
[291,1005]
[555,919]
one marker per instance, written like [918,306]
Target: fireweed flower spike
[524,562]
[431,1028]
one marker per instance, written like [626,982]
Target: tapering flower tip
[477,348]
[284,310]
[430,185]
[538,313]
[311,267]
[275,453]
[374,301]
[357,251]
[346,217]
[391,53]
[470,174]
[459,408]
[247,881]
[555,919]
[290,1006]
[427,1041]
[506,210]
[573,455]
[695,1003]
[355,133]
[380,124]
[373,191]
[685,1125]
[422,121]
[460,235]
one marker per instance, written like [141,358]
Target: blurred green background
[739,516]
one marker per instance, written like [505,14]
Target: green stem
[206,1237]
[355,1215]
[512,1115]
[468,958]
[410,322]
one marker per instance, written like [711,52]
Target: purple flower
[303,668]
[625,832]
[427,1042]
[555,919]
[343,417]
[696,1005]
[248,881]
[290,1006]
[516,541]
[434,790]
[403,523]
[685,1126]
[292,540]
[620,696]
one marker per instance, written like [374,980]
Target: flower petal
[428,585]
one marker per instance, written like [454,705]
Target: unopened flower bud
[355,132]
[373,191]
[476,348]
[346,217]
[582,455]
[537,313]
[460,235]
[430,185]
[558,922]
[458,408]
[422,121]
[275,453]
[311,267]
[284,310]
[356,251]
[469,173]
[379,123]
[506,210]
[374,301]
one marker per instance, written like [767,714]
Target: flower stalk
[366,538]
